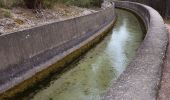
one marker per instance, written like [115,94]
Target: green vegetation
[37,4]
[10,3]
[5,13]
[82,3]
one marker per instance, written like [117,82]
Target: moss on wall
[58,66]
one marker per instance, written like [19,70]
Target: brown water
[90,77]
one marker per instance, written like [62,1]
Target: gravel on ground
[17,18]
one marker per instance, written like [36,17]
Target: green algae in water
[90,77]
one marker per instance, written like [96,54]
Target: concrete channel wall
[140,80]
[26,53]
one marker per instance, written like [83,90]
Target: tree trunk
[33,4]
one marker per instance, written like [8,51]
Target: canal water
[90,77]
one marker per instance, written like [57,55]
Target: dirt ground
[18,18]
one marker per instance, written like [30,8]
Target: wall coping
[140,80]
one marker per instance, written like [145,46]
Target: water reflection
[116,46]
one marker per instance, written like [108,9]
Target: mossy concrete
[60,62]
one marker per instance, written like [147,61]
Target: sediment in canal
[45,52]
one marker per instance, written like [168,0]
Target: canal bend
[91,75]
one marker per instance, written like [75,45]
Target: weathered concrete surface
[164,92]
[140,81]
[25,53]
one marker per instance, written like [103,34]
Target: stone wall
[140,80]
[25,53]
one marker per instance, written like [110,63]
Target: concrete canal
[90,77]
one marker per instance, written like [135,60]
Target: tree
[38,4]
[97,2]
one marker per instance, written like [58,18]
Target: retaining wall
[28,52]
[140,80]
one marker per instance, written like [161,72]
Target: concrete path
[164,92]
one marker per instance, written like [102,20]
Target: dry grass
[50,3]
[5,13]
[10,3]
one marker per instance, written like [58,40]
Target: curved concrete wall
[140,81]
[25,53]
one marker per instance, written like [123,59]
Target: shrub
[82,3]
[37,4]
[10,3]
[5,13]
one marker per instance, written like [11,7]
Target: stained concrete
[43,50]
[94,72]
[140,81]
